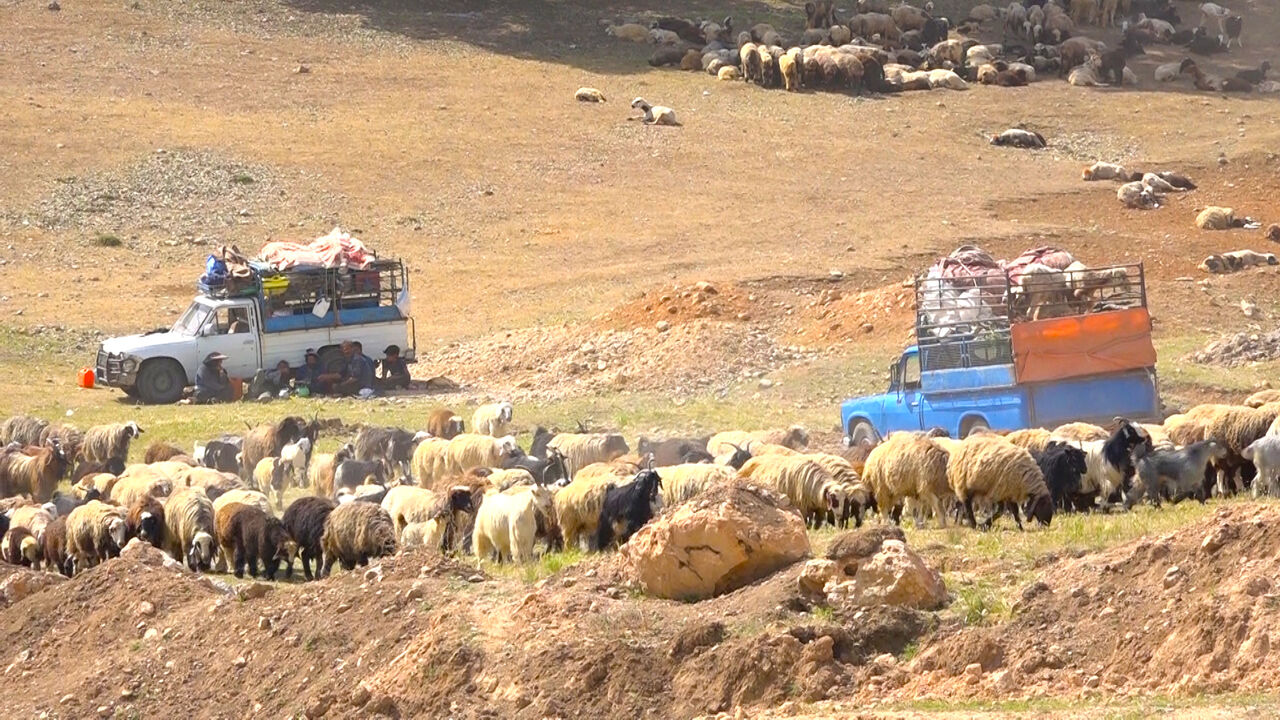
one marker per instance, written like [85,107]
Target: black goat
[391,446]
[1203,44]
[627,508]
[304,521]
[1063,465]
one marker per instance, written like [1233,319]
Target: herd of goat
[390,489]
[891,49]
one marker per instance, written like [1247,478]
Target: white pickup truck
[262,322]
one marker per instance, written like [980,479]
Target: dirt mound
[681,304]
[1192,611]
[1240,349]
[835,316]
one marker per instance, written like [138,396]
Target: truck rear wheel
[161,381]
[973,425]
[862,434]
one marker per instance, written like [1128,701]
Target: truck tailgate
[1101,398]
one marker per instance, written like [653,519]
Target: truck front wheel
[973,425]
[863,435]
[161,381]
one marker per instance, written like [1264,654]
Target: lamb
[297,457]
[1219,218]
[989,468]
[655,114]
[492,419]
[53,555]
[104,443]
[188,516]
[268,440]
[1176,474]
[445,423]
[789,71]
[626,508]
[406,504]
[583,449]
[1105,171]
[469,451]
[907,466]
[95,532]
[34,471]
[1063,466]
[1168,72]
[1264,453]
[145,520]
[1136,196]
[355,532]
[257,537]
[270,475]
[20,547]
[321,473]
[304,520]
[588,94]
[1015,137]
[633,32]
[507,522]
[681,483]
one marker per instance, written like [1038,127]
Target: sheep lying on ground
[988,468]
[1262,397]
[1219,218]
[655,114]
[1235,261]
[588,94]
[1137,196]
[908,466]
[1015,137]
[355,532]
[794,437]
[507,522]
[305,522]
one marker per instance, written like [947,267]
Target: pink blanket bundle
[337,249]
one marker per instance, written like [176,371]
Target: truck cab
[256,328]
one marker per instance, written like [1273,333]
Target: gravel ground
[1240,349]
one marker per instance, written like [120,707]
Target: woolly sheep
[1237,427]
[95,532]
[53,555]
[20,547]
[1083,76]
[940,78]
[252,498]
[578,504]
[856,494]
[355,532]
[1264,453]
[128,491]
[632,32]
[1262,397]
[320,475]
[988,468]
[445,423]
[104,443]
[467,451]
[305,522]
[188,516]
[808,485]
[36,474]
[655,114]
[790,72]
[430,461]
[22,429]
[407,504]
[34,518]
[1079,432]
[258,537]
[682,482]
[1034,440]
[588,94]
[583,449]
[492,419]
[211,482]
[1105,171]
[907,466]
[1216,218]
[1019,138]
[158,451]
[506,522]
[728,72]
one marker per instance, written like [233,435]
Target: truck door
[909,409]
[232,331]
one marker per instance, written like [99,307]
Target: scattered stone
[416,591]
[360,696]
[663,326]
[973,672]
[1172,576]
[1092,682]
[146,609]
[264,623]
[239,662]
[476,578]
[53,6]
[68,698]
[765,383]
[255,590]
[301,70]
[319,707]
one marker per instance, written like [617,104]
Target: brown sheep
[355,532]
[445,423]
[32,471]
[55,548]
[159,451]
[268,440]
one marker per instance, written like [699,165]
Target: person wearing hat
[393,372]
[212,383]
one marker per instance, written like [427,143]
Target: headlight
[129,364]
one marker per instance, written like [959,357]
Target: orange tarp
[1091,344]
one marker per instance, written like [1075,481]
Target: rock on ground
[874,567]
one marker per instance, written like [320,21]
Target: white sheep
[95,531]
[588,94]
[297,457]
[430,461]
[728,72]
[633,32]
[907,466]
[583,449]
[468,450]
[507,522]
[1264,453]
[941,78]
[268,475]
[105,443]
[658,36]
[34,518]
[655,114]
[1168,72]
[243,496]
[1157,184]
[806,483]
[407,504]
[492,419]
[989,469]
[127,491]
[1105,171]
[188,518]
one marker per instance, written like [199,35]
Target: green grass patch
[107,240]
[824,614]
[980,604]
[242,179]
[543,567]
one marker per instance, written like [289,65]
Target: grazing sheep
[257,537]
[189,526]
[304,520]
[750,61]
[988,468]
[33,471]
[145,520]
[794,437]
[104,443]
[468,451]
[626,508]
[159,451]
[507,522]
[632,32]
[95,531]
[655,114]
[128,491]
[270,475]
[407,504]
[492,419]
[588,94]
[22,429]
[681,483]
[268,440]
[578,504]
[32,517]
[1015,137]
[1034,440]
[355,532]
[1264,453]
[445,423]
[20,547]
[908,466]
[1079,432]
[1235,428]
[583,449]
[806,483]
[1063,466]
[790,72]
[321,473]
[53,556]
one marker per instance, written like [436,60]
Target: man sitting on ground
[212,383]
[394,372]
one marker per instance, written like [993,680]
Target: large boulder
[873,567]
[721,540]
[21,583]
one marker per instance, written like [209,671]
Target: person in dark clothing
[308,375]
[394,373]
[212,383]
[281,376]
[356,374]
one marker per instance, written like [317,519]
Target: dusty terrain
[548,240]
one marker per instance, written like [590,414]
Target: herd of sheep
[883,48]
[442,487]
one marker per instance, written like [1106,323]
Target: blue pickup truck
[1006,364]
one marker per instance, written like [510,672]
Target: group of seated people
[359,376]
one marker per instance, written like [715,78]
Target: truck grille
[107,368]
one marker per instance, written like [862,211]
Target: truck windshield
[192,320]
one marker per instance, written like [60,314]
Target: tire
[862,434]
[331,360]
[161,381]
[131,391]
[972,425]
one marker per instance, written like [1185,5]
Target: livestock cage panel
[372,292]
[968,320]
